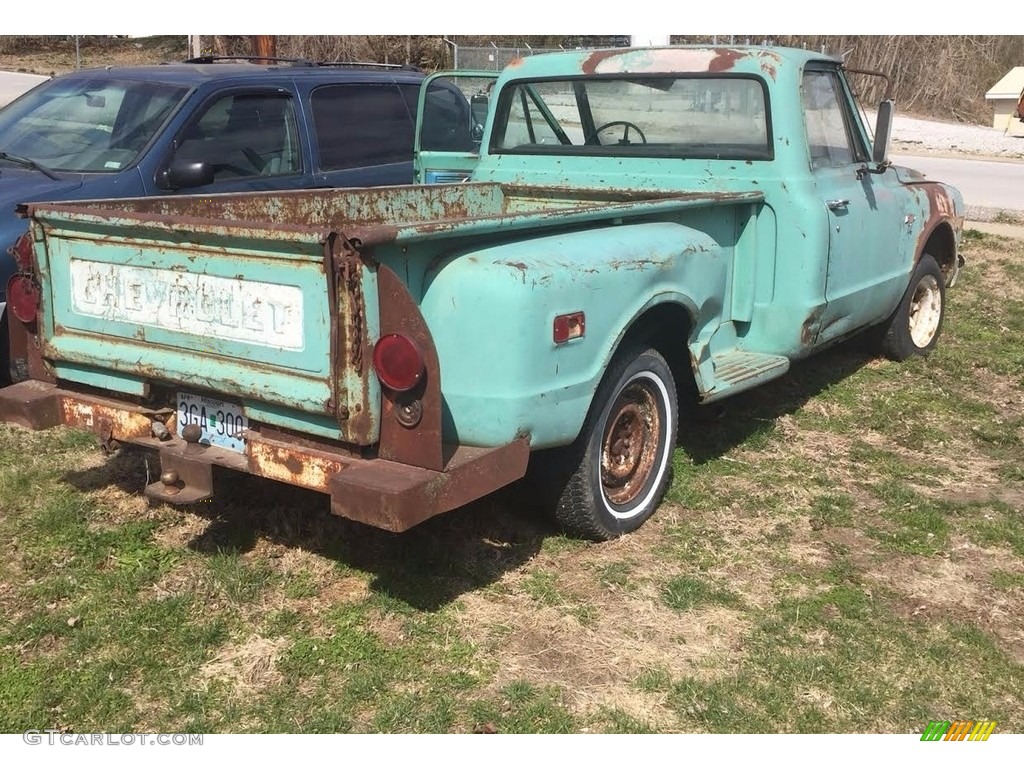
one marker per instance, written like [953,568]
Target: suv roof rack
[276,59]
[302,62]
[369,64]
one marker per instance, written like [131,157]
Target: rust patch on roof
[590,65]
[679,59]
[769,60]
[724,59]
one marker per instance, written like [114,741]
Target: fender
[940,213]
[491,312]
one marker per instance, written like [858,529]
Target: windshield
[94,125]
[657,116]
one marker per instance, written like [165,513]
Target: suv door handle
[835,205]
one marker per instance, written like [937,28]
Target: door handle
[835,205]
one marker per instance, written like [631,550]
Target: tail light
[569,327]
[398,362]
[23,297]
[22,252]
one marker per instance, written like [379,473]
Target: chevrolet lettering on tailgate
[204,305]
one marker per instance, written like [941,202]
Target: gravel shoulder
[913,135]
[927,137]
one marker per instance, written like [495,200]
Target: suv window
[361,125]
[244,135]
[93,125]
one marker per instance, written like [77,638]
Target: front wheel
[614,476]
[913,329]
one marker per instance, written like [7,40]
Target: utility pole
[263,46]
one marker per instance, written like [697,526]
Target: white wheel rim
[661,460]
[925,311]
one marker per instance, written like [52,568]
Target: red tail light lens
[23,297]
[398,362]
[22,252]
[568,327]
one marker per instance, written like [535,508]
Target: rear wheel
[611,480]
[914,328]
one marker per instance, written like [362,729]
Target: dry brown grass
[248,666]
[597,655]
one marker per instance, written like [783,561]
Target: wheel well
[666,327]
[942,245]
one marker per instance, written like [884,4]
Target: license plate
[223,424]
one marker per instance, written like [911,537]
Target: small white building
[1004,96]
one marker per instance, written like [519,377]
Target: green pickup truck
[639,224]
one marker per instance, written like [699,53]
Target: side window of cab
[831,138]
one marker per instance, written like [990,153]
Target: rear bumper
[385,494]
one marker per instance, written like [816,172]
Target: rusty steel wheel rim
[629,449]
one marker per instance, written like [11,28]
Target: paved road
[984,183]
[13,84]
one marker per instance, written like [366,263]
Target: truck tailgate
[271,317]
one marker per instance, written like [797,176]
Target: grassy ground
[842,550]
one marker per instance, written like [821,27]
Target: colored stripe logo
[958,730]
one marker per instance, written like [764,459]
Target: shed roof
[1009,87]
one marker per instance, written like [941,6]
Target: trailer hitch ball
[191,433]
[170,477]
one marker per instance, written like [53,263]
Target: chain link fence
[492,57]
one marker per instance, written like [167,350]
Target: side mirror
[479,105]
[883,132]
[186,174]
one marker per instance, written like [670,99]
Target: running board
[737,370]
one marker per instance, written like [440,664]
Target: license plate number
[222,424]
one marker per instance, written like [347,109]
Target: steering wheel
[255,158]
[625,133]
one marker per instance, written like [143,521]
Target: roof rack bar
[211,59]
[302,62]
[338,63]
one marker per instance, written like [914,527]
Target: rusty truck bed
[403,214]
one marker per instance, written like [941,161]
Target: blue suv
[209,126]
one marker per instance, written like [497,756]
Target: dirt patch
[599,664]
[388,627]
[249,667]
[181,529]
[188,578]
[1001,392]
[989,267]
[960,587]
[599,641]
